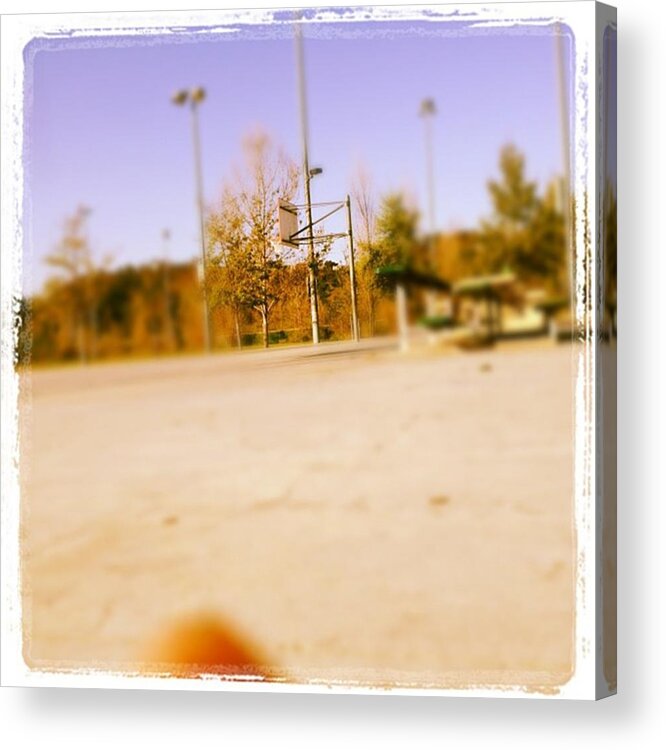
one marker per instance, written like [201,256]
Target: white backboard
[288,222]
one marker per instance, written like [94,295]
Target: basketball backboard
[288,222]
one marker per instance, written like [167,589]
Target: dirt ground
[361,515]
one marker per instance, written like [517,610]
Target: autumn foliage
[258,290]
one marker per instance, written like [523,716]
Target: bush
[275,337]
[437,322]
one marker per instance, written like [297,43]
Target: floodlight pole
[427,112]
[356,333]
[565,183]
[195,97]
[196,140]
[312,275]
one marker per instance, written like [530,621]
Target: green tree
[525,232]
[396,242]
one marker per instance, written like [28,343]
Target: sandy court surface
[363,516]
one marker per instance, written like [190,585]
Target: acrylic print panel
[369,456]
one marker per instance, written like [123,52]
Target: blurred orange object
[204,644]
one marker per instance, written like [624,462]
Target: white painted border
[17,31]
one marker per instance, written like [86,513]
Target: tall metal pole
[168,320]
[202,227]
[430,170]
[428,111]
[356,333]
[312,274]
[565,186]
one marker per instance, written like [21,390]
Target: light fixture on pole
[194,97]
[427,112]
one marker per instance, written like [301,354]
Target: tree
[115,304]
[246,238]
[229,260]
[547,243]
[514,199]
[396,237]
[74,256]
[368,261]
[525,232]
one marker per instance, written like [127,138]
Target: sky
[100,129]
[610,104]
